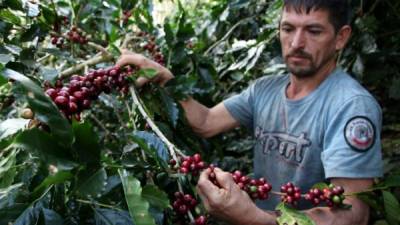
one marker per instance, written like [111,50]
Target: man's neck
[300,87]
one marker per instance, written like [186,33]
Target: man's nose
[298,40]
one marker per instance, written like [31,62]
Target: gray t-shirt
[332,132]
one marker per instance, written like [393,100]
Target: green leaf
[111,217]
[13,4]
[146,140]
[94,185]
[5,58]
[86,143]
[45,110]
[290,216]
[49,74]
[392,208]
[9,194]
[155,196]
[49,151]
[7,16]
[138,207]
[10,213]
[12,126]
[7,169]
[171,106]
[147,73]
[320,186]
[50,217]
[57,178]
[31,33]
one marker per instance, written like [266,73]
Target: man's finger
[204,184]
[224,179]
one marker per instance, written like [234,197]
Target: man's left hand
[227,202]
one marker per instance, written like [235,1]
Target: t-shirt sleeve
[240,106]
[352,146]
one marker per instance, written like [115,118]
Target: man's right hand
[131,58]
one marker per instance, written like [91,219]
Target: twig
[108,133]
[93,61]
[126,41]
[96,203]
[226,35]
[172,149]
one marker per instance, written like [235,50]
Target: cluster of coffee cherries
[190,164]
[255,188]
[291,193]
[73,97]
[151,47]
[125,16]
[333,196]
[184,203]
[76,35]
[57,41]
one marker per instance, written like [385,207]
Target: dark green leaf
[112,182]
[31,33]
[7,16]
[13,4]
[86,143]
[7,169]
[5,58]
[112,217]
[57,178]
[41,143]
[138,207]
[10,213]
[153,141]
[45,110]
[155,196]
[50,217]
[8,195]
[12,126]
[392,208]
[290,216]
[93,186]
[171,107]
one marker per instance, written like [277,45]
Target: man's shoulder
[346,87]
[271,80]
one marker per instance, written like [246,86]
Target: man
[314,124]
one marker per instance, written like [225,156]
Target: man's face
[308,41]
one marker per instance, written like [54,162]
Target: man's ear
[342,37]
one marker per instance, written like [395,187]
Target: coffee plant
[79,144]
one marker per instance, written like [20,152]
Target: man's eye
[315,32]
[286,29]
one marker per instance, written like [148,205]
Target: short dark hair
[339,10]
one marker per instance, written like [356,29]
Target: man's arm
[229,203]
[204,121]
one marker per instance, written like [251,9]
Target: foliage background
[215,49]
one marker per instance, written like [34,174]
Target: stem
[96,203]
[108,133]
[172,149]
[226,35]
[93,61]
[277,193]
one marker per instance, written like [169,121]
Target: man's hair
[339,10]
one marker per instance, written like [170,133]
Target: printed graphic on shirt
[359,133]
[289,146]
